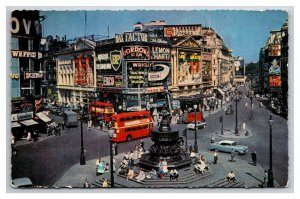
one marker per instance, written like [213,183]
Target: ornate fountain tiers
[166,146]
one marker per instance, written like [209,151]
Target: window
[128,129]
[14,43]
[140,127]
[122,119]
[140,117]
[145,116]
[30,44]
[128,118]
[134,117]
[134,129]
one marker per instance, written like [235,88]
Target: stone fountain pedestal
[166,147]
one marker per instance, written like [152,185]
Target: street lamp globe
[195,106]
[111,133]
[270,121]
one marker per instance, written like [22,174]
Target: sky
[245,32]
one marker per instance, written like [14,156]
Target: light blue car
[227,146]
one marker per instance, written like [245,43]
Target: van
[70,118]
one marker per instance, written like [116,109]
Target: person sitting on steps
[231,177]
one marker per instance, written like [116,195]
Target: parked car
[227,146]
[21,183]
[198,125]
[229,111]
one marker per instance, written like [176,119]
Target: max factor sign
[131,37]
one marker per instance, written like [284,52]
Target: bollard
[247,133]
[244,126]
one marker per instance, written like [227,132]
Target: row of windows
[136,128]
[134,118]
[22,44]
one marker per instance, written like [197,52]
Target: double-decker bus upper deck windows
[140,117]
[134,117]
[128,118]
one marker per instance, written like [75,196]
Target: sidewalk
[250,176]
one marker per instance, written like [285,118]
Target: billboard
[239,68]
[109,81]
[206,67]
[136,52]
[274,80]
[189,67]
[182,30]
[274,50]
[148,74]
[131,37]
[160,53]
[274,68]
[109,62]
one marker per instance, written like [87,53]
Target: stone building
[273,69]
[132,69]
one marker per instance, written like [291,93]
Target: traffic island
[243,133]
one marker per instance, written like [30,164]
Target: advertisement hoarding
[182,30]
[147,74]
[274,80]
[239,68]
[136,52]
[206,67]
[189,67]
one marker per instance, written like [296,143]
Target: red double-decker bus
[101,109]
[131,125]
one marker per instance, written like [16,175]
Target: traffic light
[221,118]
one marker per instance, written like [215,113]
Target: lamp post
[82,155]
[201,102]
[185,135]
[270,171]
[95,116]
[251,96]
[236,99]
[111,134]
[195,145]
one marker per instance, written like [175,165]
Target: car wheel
[128,138]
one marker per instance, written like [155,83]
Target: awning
[29,122]
[43,117]
[15,124]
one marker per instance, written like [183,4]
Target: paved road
[45,162]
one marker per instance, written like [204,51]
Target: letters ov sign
[108,81]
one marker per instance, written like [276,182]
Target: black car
[229,110]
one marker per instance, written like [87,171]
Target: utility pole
[221,120]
